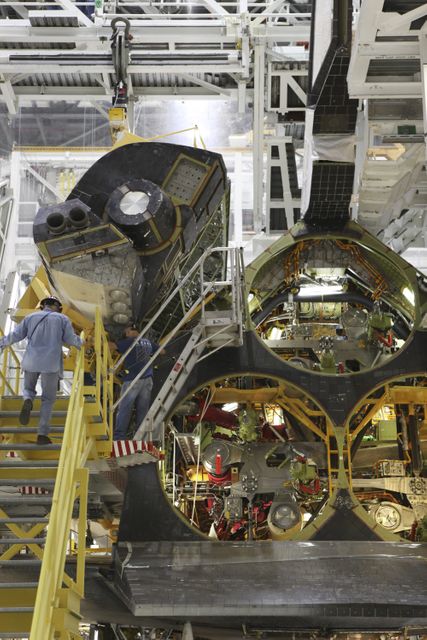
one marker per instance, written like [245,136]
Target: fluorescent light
[319,290]
[409,295]
[275,334]
[277,417]
[230,406]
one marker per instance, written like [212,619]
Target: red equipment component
[311,489]
[213,414]
[226,477]
[413,532]
[218,464]
[268,434]
[388,341]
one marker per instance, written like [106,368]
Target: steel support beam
[44,182]
[258,135]
[26,95]
[206,85]
[400,23]
[8,94]
[238,200]
[214,7]
[423,55]
[67,5]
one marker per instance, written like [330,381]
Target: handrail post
[65,492]
[97,345]
[170,297]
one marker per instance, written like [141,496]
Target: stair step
[19,498]
[34,562]
[36,482]
[31,464]
[24,519]
[24,446]
[15,474]
[18,585]
[34,414]
[24,430]
[22,541]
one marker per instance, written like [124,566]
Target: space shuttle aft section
[292,494]
[272,510]
[138,217]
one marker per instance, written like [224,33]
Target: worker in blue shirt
[46,331]
[140,394]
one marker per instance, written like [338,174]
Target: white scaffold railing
[236,285]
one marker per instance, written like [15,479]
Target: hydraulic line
[414,440]
[120,47]
[208,400]
[356,298]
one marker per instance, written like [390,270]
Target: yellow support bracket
[288,404]
[371,413]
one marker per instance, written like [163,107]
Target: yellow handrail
[103,374]
[9,354]
[71,480]
[71,483]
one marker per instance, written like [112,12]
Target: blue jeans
[139,397]
[49,388]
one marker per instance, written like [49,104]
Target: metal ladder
[215,330]
[27,477]
[41,489]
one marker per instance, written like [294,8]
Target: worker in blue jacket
[139,396]
[46,331]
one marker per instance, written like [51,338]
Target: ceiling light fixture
[230,406]
[319,290]
[409,295]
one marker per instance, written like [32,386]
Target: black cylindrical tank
[143,212]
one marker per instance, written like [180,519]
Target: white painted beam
[81,17]
[55,66]
[423,56]
[211,31]
[241,96]
[104,81]
[43,181]
[20,10]
[41,129]
[8,94]
[386,90]
[206,85]
[394,22]
[297,89]
[258,136]
[100,109]
[26,95]
[274,6]
[214,7]
[85,133]
[19,30]
[394,50]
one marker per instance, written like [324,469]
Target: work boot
[24,416]
[43,440]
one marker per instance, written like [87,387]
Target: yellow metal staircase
[41,489]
